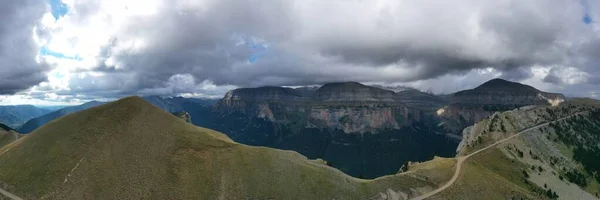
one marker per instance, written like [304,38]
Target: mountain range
[380,128]
[132,149]
[17,115]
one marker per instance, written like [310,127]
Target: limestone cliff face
[361,120]
[458,116]
[265,112]
[351,107]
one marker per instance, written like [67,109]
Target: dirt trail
[461,159]
[9,195]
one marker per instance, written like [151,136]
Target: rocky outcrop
[184,115]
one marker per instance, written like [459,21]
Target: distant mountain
[15,116]
[336,120]
[499,91]
[416,98]
[196,108]
[395,89]
[471,106]
[52,108]
[40,121]
[133,150]
[421,100]
[307,91]
[170,104]
[177,104]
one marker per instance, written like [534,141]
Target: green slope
[6,137]
[559,156]
[130,149]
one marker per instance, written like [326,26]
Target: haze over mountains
[17,115]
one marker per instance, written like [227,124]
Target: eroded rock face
[361,120]
[459,116]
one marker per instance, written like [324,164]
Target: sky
[55,52]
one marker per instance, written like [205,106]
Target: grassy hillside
[6,137]
[130,149]
[558,159]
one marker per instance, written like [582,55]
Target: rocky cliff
[332,122]
[349,106]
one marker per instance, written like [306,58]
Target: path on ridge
[461,159]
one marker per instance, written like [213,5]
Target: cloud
[19,68]
[112,48]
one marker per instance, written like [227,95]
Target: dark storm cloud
[551,78]
[517,74]
[203,44]
[513,36]
[18,67]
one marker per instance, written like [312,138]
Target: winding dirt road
[461,159]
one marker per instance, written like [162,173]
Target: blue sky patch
[58,9]
[258,48]
[587,18]
[47,52]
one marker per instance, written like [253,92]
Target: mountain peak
[132,100]
[499,84]
[502,92]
